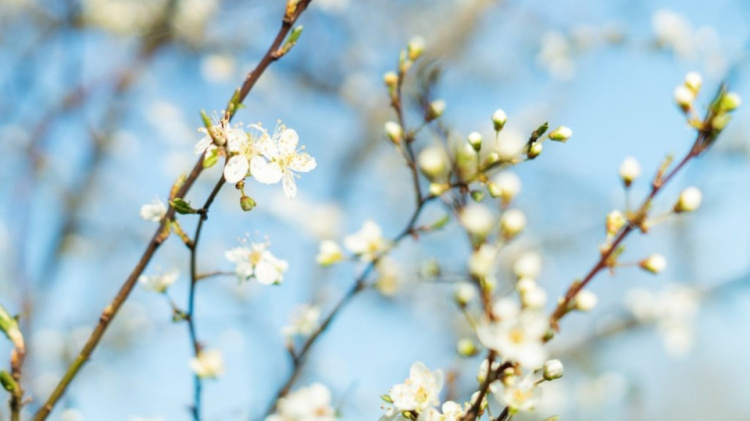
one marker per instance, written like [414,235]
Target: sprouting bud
[181,206]
[433,162]
[585,301]
[506,185]
[690,200]
[394,132]
[477,219]
[553,369]
[466,347]
[512,223]
[464,294]
[654,263]
[629,170]
[561,134]
[615,221]
[475,140]
[477,195]
[684,97]
[693,81]
[535,150]
[720,121]
[435,109]
[390,79]
[499,118]
[9,326]
[730,101]
[415,48]
[8,382]
[247,203]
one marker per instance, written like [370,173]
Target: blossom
[389,276]
[160,282]
[517,337]
[477,219]
[238,147]
[304,321]
[420,391]
[257,261]
[208,364]
[311,403]
[279,158]
[329,253]
[482,261]
[368,243]
[521,396]
[154,211]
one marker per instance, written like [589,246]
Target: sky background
[591,65]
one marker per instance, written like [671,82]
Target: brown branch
[111,310]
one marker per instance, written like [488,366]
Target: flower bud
[433,162]
[390,79]
[329,253]
[534,298]
[477,219]
[512,223]
[730,101]
[535,150]
[482,261]
[435,110]
[615,221]
[524,285]
[629,170]
[466,347]
[528,265]
[690,199]
[505,185]
[415,48]
[247,203]
[553,369]
[394,132]
[464,294]
[475,140]
[499,118]
[654,263]
[720,121]
[693,81]
[561,134]
[436,189]
[585,301]
[684,97]
[8,382]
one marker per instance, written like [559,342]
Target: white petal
[290,187]
[288,140]
[267,148]
[236,169]
[265,172]
[302,162]
[203,145]
[266,273]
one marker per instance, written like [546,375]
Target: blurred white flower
[367,243]
[311,403]
[329,253]
[159,282]
[420,391]
[520,396]
[517,337]
[208,364]
[257,261]
[305,320]
[154,211]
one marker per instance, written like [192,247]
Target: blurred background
[99,106]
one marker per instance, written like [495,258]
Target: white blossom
[519,397]
[420,391]
[159,282]
[237,143]
[629,170]
[329,253]
[257,261]
[477,219]
[305,320]
[154,211]
[311,403]
[367,243]
[517,338]
[208,364]
[528,265]
[690,199]
[279,159]
[482,261]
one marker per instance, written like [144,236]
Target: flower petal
[266,273]
[203,145]
[265,172]
[288,140]
[290,187]
[302,162]
[236,169]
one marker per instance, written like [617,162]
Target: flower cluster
[256,261]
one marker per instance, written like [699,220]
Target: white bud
[528,265]
[435,109]
[475,140]
[524,285]
[553,369]
[415,48]
[693,81]
[655,263]
[505,185]
[464,294]
[561,134]
[535,150]
[208,364]
[534,298]
[466,347]
[329,253]
[512,223]
[690,199]
[684,97]
[585,301]
[499,118]
[393,131]
[390,79]
[433,162]
[482,261]
[477,219]
[630,169]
